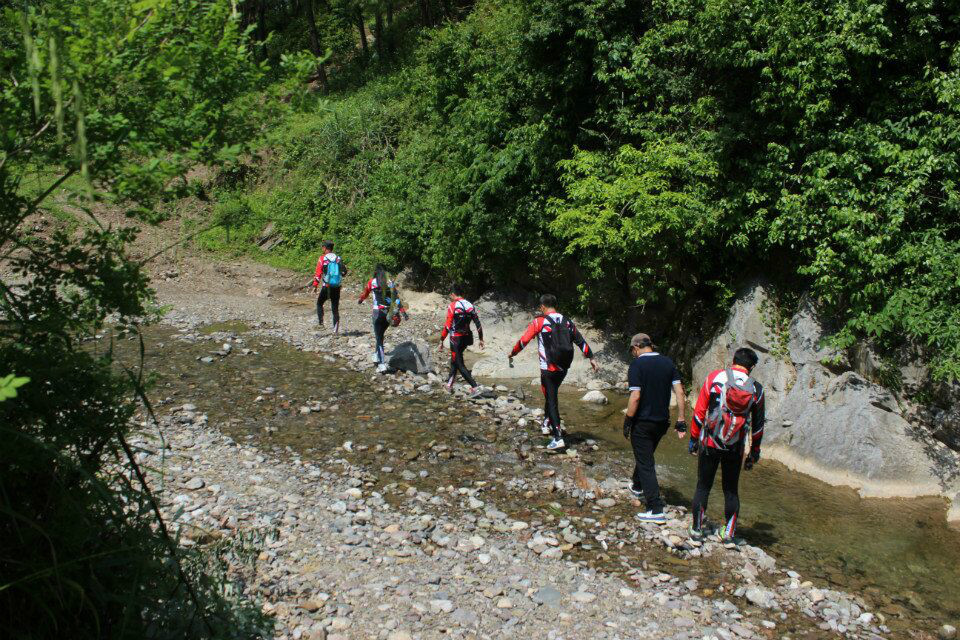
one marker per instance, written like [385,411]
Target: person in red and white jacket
[381,288]
[326,289]
[728,457]
[545,328]
[460,313]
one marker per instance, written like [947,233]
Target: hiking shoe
[556,444]
[476,392]
[381,368]
[650,516]
[545,427]
[695,534]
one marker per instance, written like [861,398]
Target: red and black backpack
[729,418]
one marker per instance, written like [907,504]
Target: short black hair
[549,300]
[746,357]
[457,288]
[328,245]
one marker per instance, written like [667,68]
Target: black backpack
[558,343]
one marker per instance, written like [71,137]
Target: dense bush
[111,102]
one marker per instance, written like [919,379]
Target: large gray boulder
[413,356]
[749,325]
[824,416]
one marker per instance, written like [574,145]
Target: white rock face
[831,423]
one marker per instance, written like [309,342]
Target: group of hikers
[728,416]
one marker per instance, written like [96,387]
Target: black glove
[681,426]
[628,422]
[752,459]
[694,446]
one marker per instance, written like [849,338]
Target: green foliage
[647,153]
[9,385]
[111,102]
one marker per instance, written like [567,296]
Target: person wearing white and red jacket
[460,314]
[720,443]
[547,327]
[381,289]
[329,286]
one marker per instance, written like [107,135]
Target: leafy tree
[109,104]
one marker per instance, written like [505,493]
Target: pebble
[195,483]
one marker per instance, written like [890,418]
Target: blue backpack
[333,273]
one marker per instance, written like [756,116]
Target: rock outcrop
[824,417]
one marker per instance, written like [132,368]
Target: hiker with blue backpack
[727,431]
[556,335]
[328,278]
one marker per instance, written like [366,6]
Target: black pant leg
[321,299]
[644,438]
[460,363]
[550,382]
[335,306]
[707,462]
[380,324]
[730,465]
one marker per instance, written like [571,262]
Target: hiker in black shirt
[651,378]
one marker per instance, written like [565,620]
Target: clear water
[898,553]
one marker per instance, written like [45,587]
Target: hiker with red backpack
[727,430]
[556,335]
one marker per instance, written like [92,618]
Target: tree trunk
[389,30]
[447,13]
[378,34]
[425,12]
[261,21]
[314,40]
[363,34]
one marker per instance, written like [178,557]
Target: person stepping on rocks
[327,280]
[727,431]
[387,310]
[460,313]
[556,335]
[650,378]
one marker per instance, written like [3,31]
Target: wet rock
[948,632]
[195,483]
[412,356]
[594,397]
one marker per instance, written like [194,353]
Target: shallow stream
[898,554]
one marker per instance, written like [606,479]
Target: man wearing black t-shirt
[651,378]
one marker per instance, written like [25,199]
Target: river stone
[547,596]
[594,397]
[948,632]
[761,597]
[413,356]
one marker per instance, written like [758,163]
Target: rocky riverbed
[470,533]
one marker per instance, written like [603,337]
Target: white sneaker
[556,444]
[476,392]
[545,427]
[381,368]
[448,386]
[650,516]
